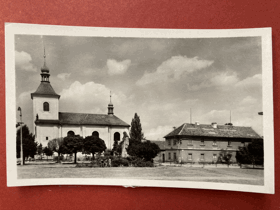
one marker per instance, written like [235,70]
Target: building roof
[206,130]
[90,119]
[45,89]
[66,118]
[161,144]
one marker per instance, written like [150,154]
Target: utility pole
[21,149]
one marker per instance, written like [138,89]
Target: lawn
[220,175]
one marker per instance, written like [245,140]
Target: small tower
[110,106]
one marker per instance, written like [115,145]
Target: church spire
[110,106]
[45,70]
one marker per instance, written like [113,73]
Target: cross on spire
[44,56]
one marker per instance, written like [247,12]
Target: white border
[14,28]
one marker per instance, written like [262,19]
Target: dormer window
[46,107]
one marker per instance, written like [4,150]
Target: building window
[46,106]
[215,143]
[169,156]
[169,142]
[202,142]
[70,133]
[174,141]
[202,157]
[174,156]
[214,157]
[190,156]
[47,138]
[117,136]
[95,134]
[243,143]
[229,143]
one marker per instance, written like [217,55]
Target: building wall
[54,131]
[52,114]
[45,133]
[199,147]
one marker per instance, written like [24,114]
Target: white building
[49,123]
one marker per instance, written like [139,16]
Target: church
[50,123]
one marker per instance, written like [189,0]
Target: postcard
[183,108]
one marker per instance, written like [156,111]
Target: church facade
[50,123]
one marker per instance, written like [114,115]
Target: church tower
[45,99]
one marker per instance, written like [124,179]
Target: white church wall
[75,128]
[102,130]
[45,133]
[52,114]
[120,130]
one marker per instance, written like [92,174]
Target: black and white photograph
[139,107]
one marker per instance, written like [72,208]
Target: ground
[211,174]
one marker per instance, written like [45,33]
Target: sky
[160,79]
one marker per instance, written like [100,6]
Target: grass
[220,175]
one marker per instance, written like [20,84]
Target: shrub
[118,161]
[137,162]
[56,157]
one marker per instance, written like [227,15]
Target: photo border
[11,29]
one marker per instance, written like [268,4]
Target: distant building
[49,123]
[161,145]
[203,143]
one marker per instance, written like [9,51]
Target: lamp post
[21,150]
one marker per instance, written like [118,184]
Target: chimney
[214,124]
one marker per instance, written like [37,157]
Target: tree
[251,153]
[136,133]
[48,152]
[56,145]
[116,147]
[40,150]
[225,157]
[29,145]
[93,144]
[73,144]
[143,150]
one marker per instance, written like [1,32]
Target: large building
[198,143]
[49,123]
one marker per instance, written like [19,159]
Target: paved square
[211,174]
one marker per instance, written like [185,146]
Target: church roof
[45,89]
[206,130]
[66,118]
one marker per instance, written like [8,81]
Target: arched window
[95,133]
[70,133]
[46,106]
[117,136]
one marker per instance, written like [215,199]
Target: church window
[47,138]
[46,106]
[117,136]
[95,134]
[70,133]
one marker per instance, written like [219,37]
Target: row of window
[190,156]
[190,142]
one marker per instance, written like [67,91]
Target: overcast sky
[159,79]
